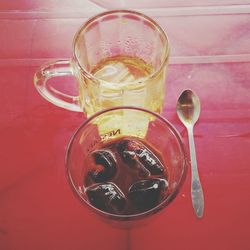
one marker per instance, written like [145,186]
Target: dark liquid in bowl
[126,176]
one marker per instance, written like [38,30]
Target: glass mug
[119,58]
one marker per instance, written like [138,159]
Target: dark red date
[107,197]
[133,151]
[107,170]
[146,194]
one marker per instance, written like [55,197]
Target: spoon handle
[196,188]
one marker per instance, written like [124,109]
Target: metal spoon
[188,110]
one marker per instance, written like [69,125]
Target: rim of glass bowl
[164,203]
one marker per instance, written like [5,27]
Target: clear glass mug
[119,58]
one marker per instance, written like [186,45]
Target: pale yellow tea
[122,69]
[123,81]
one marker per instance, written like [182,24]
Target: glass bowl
[129,122]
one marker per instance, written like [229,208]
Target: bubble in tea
[130,177]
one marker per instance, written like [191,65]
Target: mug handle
[55,69]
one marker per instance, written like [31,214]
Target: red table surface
[38,210]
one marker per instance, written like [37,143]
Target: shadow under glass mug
[119,58]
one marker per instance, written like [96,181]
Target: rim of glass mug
[102,15]
[140,215]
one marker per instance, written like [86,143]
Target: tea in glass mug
[119,59]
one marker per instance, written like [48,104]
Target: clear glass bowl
[119,122]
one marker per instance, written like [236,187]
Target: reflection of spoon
[188,110]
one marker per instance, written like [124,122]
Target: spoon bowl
[188,107]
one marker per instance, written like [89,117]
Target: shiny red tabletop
[37,207]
